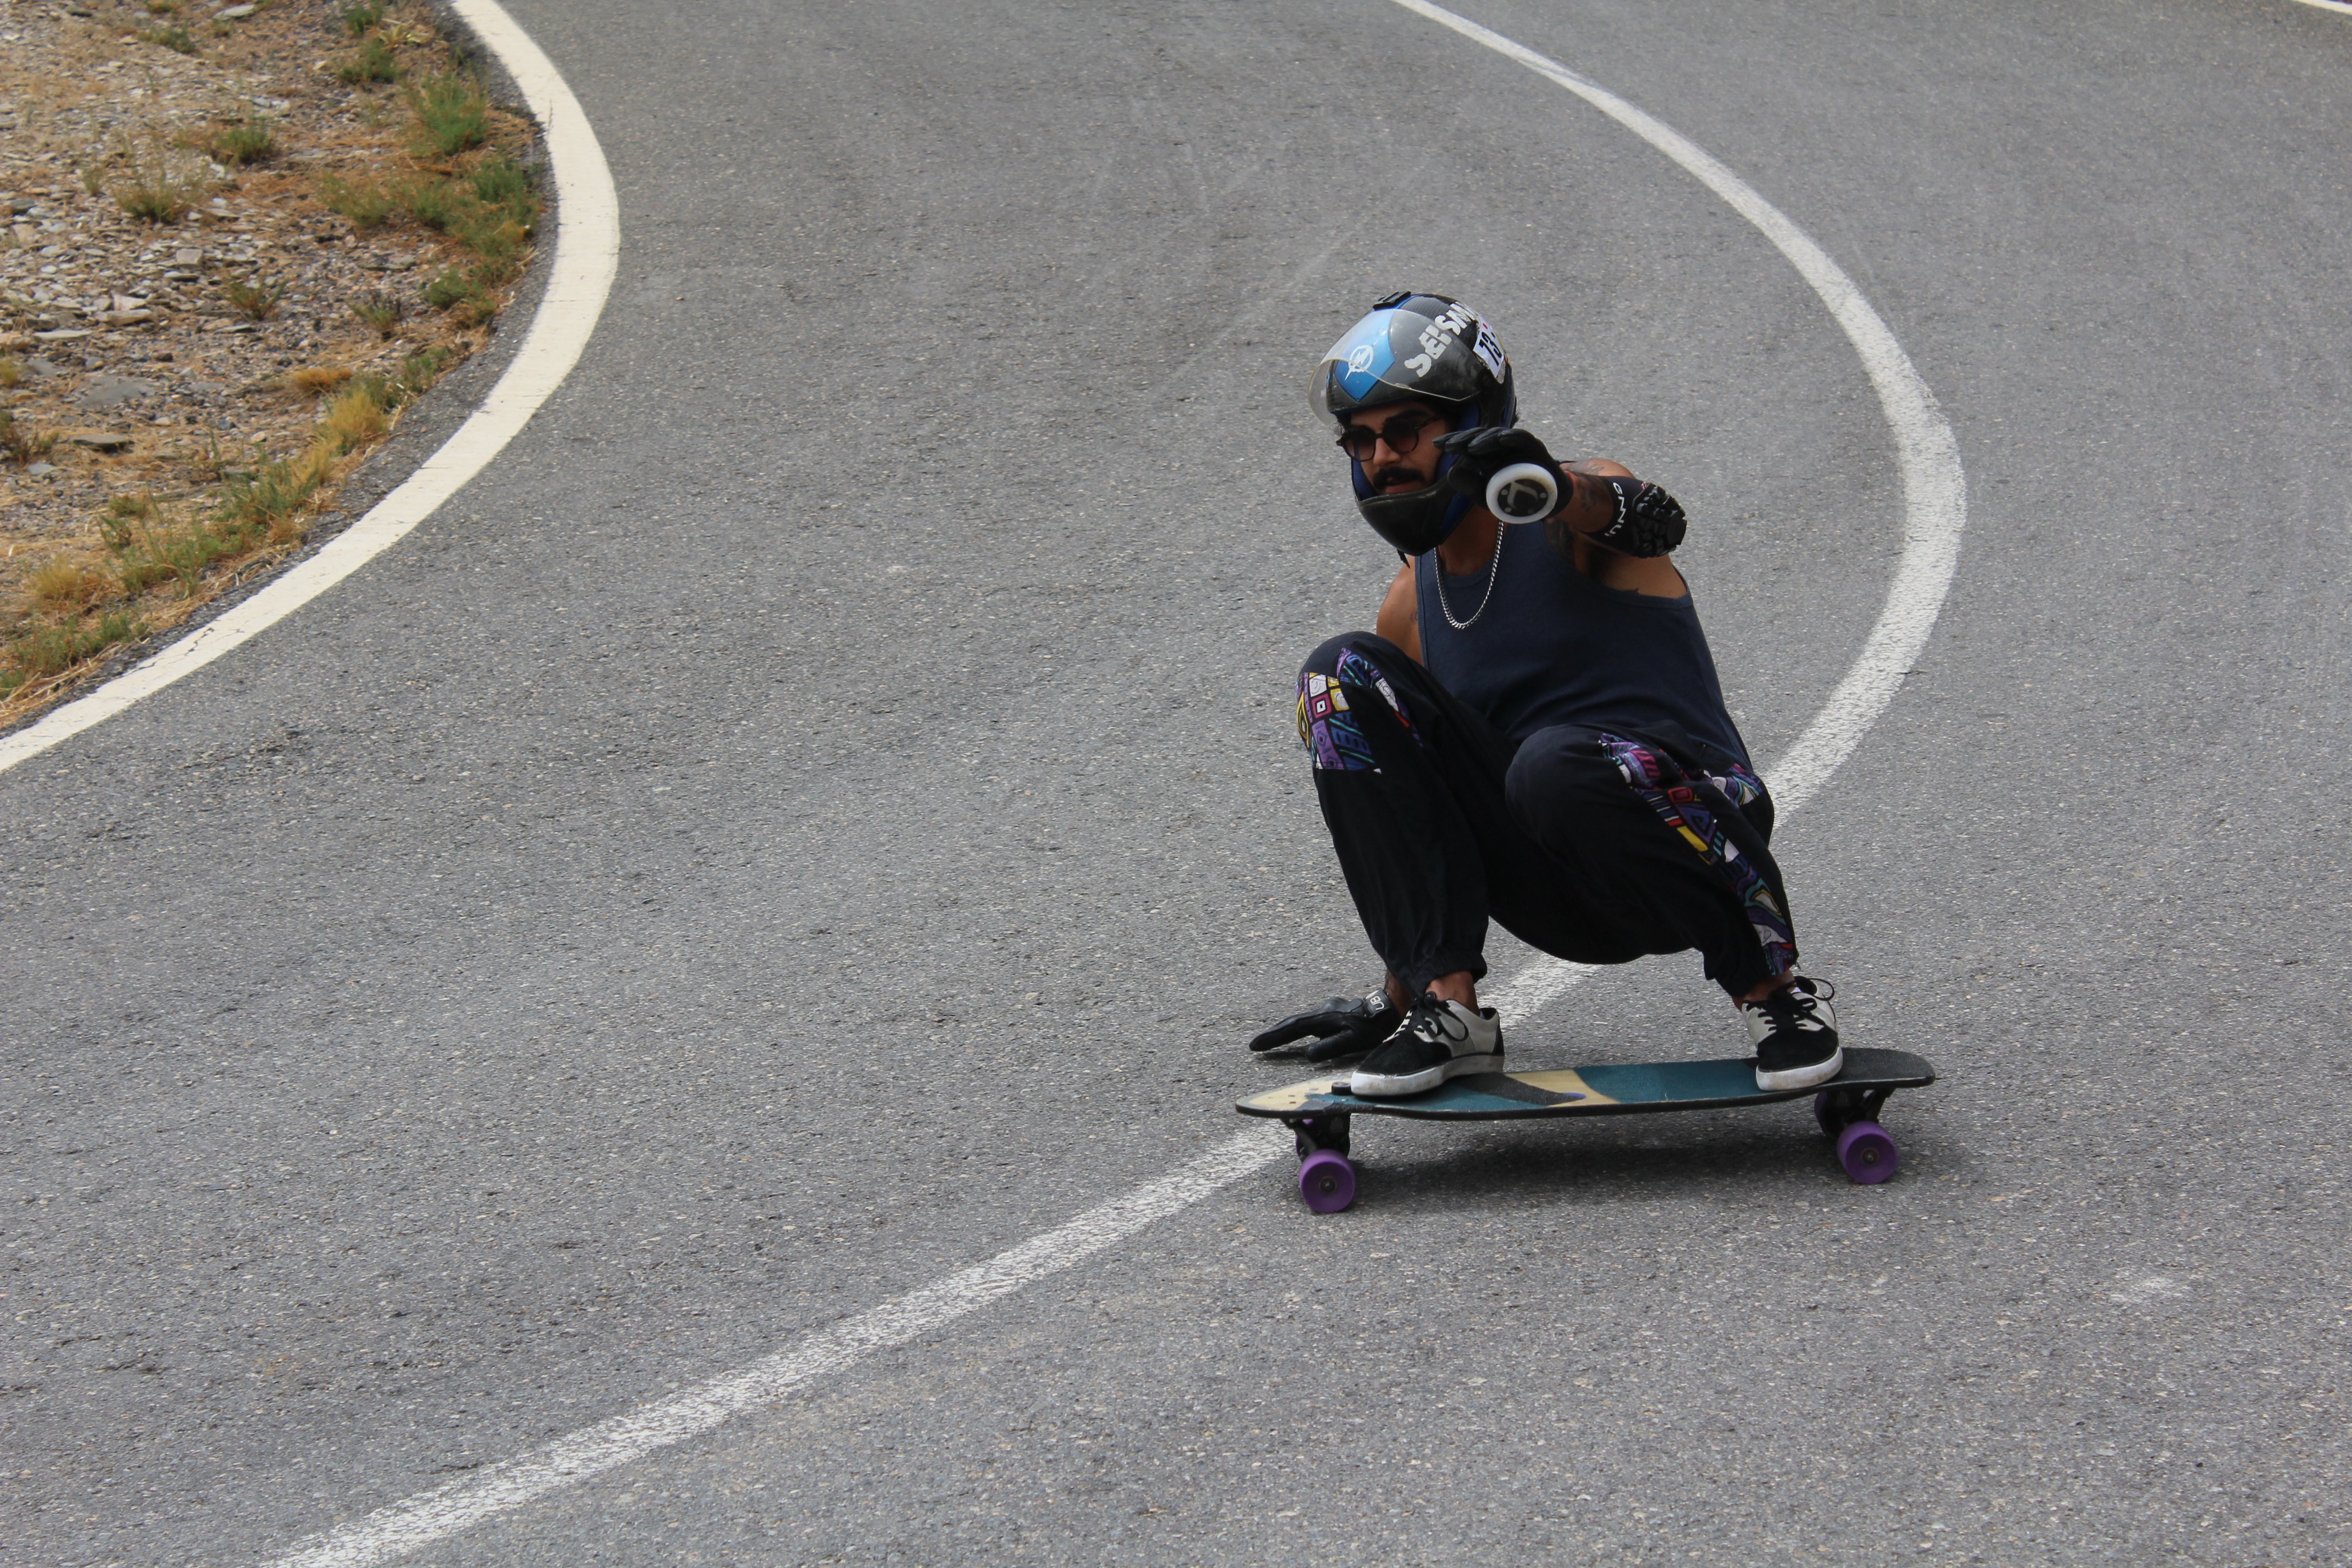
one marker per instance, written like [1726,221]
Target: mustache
[1382,477]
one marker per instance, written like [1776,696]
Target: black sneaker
[1439,1040]
[1795,1036]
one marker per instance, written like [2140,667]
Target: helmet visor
[1450,356]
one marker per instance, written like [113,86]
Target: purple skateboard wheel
[1326,1181]
[1866,1152]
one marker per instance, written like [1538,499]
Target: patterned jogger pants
[1596,845]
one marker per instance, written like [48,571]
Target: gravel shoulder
[149,369]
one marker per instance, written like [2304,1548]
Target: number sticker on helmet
[1490,348]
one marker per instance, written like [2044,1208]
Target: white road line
[1534,988]
[1935,492]
[587,250]
[2341,7]
[1933,503]
[420,1520]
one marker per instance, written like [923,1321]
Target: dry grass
[173,37]
[47,659]
[60,585]
[236,143]
[19,445]
[256,300]
[357,418]
[380,312]
[154,186]
[452,113]
[316,380]
[373,62]
[267,506]
[362,199]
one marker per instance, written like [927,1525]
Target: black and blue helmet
[1438,351]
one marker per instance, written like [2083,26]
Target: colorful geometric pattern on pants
[1328,726]
[1662,783]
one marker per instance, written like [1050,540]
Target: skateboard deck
[1319,1110]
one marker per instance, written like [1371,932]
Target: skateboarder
[1534,733]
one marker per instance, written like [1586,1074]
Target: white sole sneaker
[1381,1086]
[1805,1076]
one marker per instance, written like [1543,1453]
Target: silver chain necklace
[1494,568]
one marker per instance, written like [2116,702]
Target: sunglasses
[1402,434]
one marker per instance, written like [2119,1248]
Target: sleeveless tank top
[1554,646]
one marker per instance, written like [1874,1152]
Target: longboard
[1847,1107]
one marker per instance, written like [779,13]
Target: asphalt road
[822,808]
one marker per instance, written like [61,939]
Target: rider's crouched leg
[1345,691]
[1390,775]
[1680,873]
[1678,856]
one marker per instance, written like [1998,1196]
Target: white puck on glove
[1524,492]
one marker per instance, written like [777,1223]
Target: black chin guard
[1416,522]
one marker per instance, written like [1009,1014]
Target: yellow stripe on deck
[1294,1096]
[1565,1080]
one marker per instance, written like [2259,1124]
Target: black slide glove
[1341,1027]
[1648,523]
[1481,453]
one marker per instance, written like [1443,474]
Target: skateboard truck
[1329,1131]
[1326,1180]
[1849,1117]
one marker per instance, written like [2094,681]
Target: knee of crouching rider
[1325,660]
[1340,687]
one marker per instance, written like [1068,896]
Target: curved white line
[418,1521]
[1935,493]
[587,251]
[2341,7]
[1932,487]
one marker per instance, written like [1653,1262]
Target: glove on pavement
[1341,1027]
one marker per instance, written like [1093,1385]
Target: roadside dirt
[180,392]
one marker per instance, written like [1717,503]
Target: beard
[1389,474]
